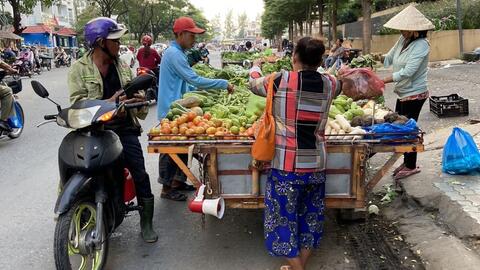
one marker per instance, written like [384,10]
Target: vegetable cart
[225,168]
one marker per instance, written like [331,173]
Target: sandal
[406,172]
[184,187]
[398,169]
[174,195]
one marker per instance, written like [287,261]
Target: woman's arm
[258,83]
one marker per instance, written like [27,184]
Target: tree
[320,7]
[24,7]
[242,23]
[89,13]
[229,25]
[110,7]
[367,25]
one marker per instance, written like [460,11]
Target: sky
[212,7]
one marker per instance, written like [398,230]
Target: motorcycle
[46,61]
[63,61]
[152,91]
[96,191]
[16,122]
[24,68]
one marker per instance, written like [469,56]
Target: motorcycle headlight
[80,118]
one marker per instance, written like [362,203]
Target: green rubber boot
[146,216]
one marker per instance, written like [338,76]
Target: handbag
[263,149]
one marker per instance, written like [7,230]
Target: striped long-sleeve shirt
[300,108]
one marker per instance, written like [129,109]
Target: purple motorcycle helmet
[103,28]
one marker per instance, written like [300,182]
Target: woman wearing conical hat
[409,58]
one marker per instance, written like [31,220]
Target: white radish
[344,124]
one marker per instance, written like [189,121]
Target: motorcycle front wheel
[16,131]
[72,233]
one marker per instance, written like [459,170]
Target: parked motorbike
[24,68]
[152,91]
[15,122]
[63,61]
[95,190]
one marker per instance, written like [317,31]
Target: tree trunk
[334,20]
[300,26]
[320,17]
[295,31]
[290,30]
[17,16]
[367,25]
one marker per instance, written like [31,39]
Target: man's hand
[136,98]
[117,95]
[12,71]
[230,88]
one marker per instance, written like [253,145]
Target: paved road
[28,181]
[29,178]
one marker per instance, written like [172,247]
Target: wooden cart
[225,169]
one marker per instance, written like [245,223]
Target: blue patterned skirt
[294,212]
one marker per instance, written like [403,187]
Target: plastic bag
[460,154]
[360,83]
[390,131]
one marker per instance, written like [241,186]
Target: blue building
[44,35]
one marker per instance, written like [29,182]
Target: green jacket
[85,82]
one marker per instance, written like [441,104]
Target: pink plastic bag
[360,83]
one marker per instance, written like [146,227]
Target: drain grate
[367,244]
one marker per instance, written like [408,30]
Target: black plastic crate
[451,105]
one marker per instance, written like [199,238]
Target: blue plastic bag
[384,131]
[460,154]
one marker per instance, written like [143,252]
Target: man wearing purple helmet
[100,74]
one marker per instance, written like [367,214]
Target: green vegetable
[340,108]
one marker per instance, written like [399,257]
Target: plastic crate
[447,106]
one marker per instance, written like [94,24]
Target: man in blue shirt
[177,78]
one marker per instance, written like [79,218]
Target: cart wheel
[49,67]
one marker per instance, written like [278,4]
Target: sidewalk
[439,214]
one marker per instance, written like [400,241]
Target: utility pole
[459,22]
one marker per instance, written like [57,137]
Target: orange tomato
[217,122]
[183,130]
[191,115]
[190,125]
[199,130]
[183,125]
[175,130]
[173,124]
[250,131]
[164,120]
[197,120]
[190,131]
[166,130]
[211,130]
[219,133]
[165,125]
[207,115]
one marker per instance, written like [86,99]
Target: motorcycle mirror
[39,89]
[143,81]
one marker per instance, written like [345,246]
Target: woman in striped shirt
[295,190]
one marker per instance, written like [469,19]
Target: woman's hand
[388,79]
[230,88]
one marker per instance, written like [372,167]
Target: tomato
[190,125]
[199,130]
[191,115]
[182,119]
[173,124]
[211,130]
[197,120]
[250,132]
[183,130]
[164,120]
[175,130]
[207,115]
[190,131]
[165,130]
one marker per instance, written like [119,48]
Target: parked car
[127,55]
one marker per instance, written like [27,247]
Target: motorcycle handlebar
[136,105]
[50,117]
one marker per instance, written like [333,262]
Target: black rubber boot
[146,216]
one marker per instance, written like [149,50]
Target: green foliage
[24,7]
[229,27]
[89,13]
[442,14]
[6,18]
[242,25]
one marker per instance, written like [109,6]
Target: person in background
[249,47]
[177,78]
[100,74]
[336,53]
[409,58]
[148,57]
[295,188]
[204,52]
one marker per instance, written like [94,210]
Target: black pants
[169,171]
[411,109]
[135,163]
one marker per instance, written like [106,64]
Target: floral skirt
[294,212]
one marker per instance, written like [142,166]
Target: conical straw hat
[410,19]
